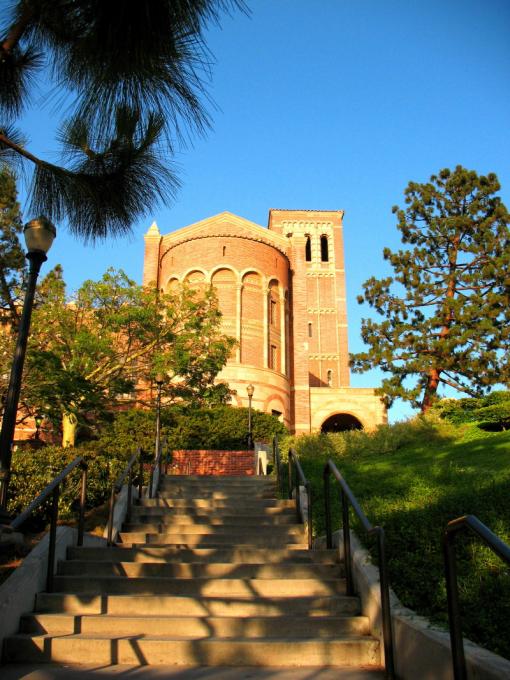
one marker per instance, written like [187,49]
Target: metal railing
[156,470]
[501,549]
[301,480]
[277,461]
[117,486]
[53,490]
[347,497]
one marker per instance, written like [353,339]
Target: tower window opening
[310,331]
[330,378]
[272,357]
[272,312]
[308,250]
[324,249]
[224,250]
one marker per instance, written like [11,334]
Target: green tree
[447,306]
[88,349]
[12,257]
[133,74]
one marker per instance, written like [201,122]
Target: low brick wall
[207,462]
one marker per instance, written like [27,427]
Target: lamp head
[38,420]
[159,378]
[39,234]
[250,390]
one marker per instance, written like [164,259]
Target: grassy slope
[437,475]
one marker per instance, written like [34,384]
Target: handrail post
[53,539]
[140,480]
[346,531]
[129,494]
[83,499]
[327,508]
[151,479]
[310,528]
[385,606]
[110,517]
[452,592]
[290,474]
[298,499]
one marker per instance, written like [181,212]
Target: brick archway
[340,422]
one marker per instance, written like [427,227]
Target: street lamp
[38,418]
[250,390]
[159,379]
[39,235]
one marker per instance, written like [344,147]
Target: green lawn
[412,479]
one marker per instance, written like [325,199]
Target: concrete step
[217,539]
[215,504]
[218,482]
[195,587]
[184,517]
[197,570]
[213,528]
[196,626]
[161,605]
[240,495]
[262,510]
[53,671]
[223,480]
[232,555]
[209,651]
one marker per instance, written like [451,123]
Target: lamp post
[38,418]
[250,390]
[159,379]
[39,234]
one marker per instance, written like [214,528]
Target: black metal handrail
[156,465]
[300,477]
[117,486]
[502,550]
[277,460]
[348,497]
[53,489]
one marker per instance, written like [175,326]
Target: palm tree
[135,70]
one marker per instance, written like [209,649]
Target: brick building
[282,294]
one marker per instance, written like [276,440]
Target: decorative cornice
[330,357]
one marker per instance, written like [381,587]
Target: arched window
[308,250]
[309,329]
[330,378]
[324,249]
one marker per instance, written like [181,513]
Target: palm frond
[9,157]
[144,54]
[105,191]
[17,70]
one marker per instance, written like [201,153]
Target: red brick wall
[203,462]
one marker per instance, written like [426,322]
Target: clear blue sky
[330,104]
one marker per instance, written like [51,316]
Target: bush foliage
[491,412]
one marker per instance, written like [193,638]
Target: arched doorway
[339,422]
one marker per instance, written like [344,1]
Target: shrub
[219,427]
[33,470]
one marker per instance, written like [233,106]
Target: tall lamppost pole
[250,390]
[39,234]
[159,379]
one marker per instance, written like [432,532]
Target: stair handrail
[347,498]
[156,465]
[300,477]
[472,524]
[53,489]
[117,486]
[277,459]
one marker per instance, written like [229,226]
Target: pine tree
[12,257]
[136,71]
[447,306]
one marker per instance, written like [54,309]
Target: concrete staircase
[213,572]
